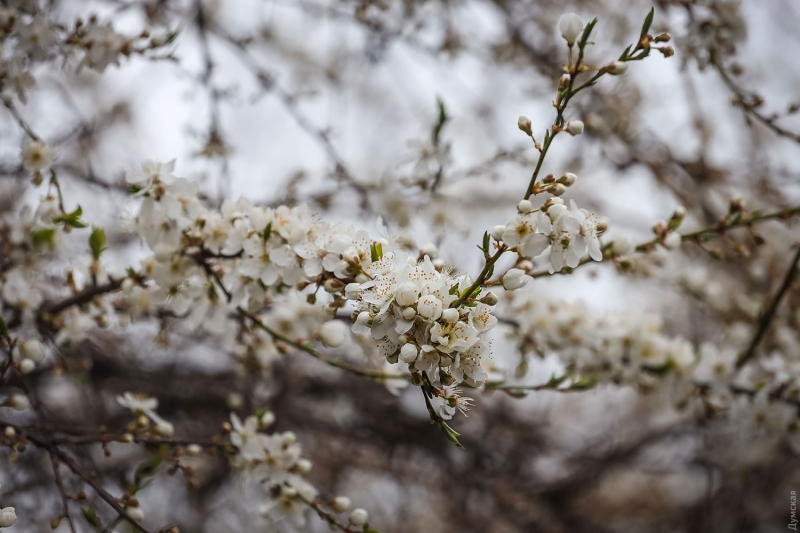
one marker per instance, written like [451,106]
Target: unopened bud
[563,81]
[662,38]
[524,206]
[557,190]
[497,232]
[574,127]
[490,299]
[568,179]
[617,68]
[667,51]
[341,504]
[524,123]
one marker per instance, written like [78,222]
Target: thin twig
[763,326]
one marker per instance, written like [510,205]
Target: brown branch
[60,484]
[770,313]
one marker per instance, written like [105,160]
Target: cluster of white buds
[568,232]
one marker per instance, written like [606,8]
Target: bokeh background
[332,103]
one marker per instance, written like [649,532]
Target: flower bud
[662,38]
[409,313]
[194,450]
[571,26]
[524,206]
[7,517]
[490,299]
[672,241]
[450,316]
[497,232]
[18,402]
[408,353]
[406,294]
[341,504]
[26,366]
[32,349]
[574,127]
[568,179]
[563,81]
[617,68]
[358,517]
[304,466]
[667,51]
[679,212]
[165,429]
[429,249]
[557,189]
[135,513]
[332,285]
[429,307]
[288,438]
[622,246]
[333,333]
[515,279]
[266,420]
[602,224]
[524,123]
[350,255]
[9,432]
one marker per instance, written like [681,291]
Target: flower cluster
[275,462]
[628,349]
[416,313]
[567,232]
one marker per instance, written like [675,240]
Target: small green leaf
[624,55]
[43,237]
[376,251]
[486,242]
[648,20]
[267,233]
[147,468]
[450,433]
[587,32]
[90,515]
[71,219]
[97,242]
[442,119]
[584,383]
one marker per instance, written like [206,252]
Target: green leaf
[267,233]
[624,55]
[90,515]
[43,237]
[555,381]
[486,242]
[442,119]
[97,242]
[663,369]
[133,188]
[147,468]
[71,219]
[586,32]
[376,251]
[584,383]
[648,20]
[450,433]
